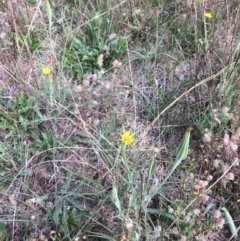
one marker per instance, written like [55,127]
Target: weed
[82,53]
[32,41]
[84,158]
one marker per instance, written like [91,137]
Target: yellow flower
[127,138]
[208,15]
[196,190]
[46,70]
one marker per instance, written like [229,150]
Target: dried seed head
[223,182]
[235,160]
[226,136]
[204,184]
[86,82]
[233,138]
[209,178]
[207,137]
[12,200]
[215,163]
[94,77]
[217,214]
[191,175]
[101,72]
[220,223]
[196,211]
[226,142]
[42,237]
[95,93]
[183,238]
[188,219]
[170,209]
[107,86]
[200,182]
[175,231]
[116,64]
[128,223]
[225,109]
[137,11]
[78,88]
[230,176]
[205,197]
[96,122]
[225,168]
[2,35]
[100,60]
[237,133]
[233,146]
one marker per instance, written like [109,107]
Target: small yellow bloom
[196,190]
[206,172]
[46,70]
[208,15]
[127,138]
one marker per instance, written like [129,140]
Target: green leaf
[230,222]
[115,198]
[49,14]
[182,152]
[57,212]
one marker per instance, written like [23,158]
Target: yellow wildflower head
[196,190]
[46,70]
[127,138]
[208,15]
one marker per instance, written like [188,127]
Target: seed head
[183,238]
[78,88]
[207,137]
[217,214]
[196,211]
[230,176]
[116,64]
[220,223]
[100,60]
[86,82]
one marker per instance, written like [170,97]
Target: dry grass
[65,175]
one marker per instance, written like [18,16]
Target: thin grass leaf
[115,198]
[49,14]
[230,222]
[206,210]
[151,168]
[76,205]
[57,212]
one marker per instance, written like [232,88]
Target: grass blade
[230,222]
[49,14]
[182,152]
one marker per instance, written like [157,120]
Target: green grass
[154,68]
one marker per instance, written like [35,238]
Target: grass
[75,76]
